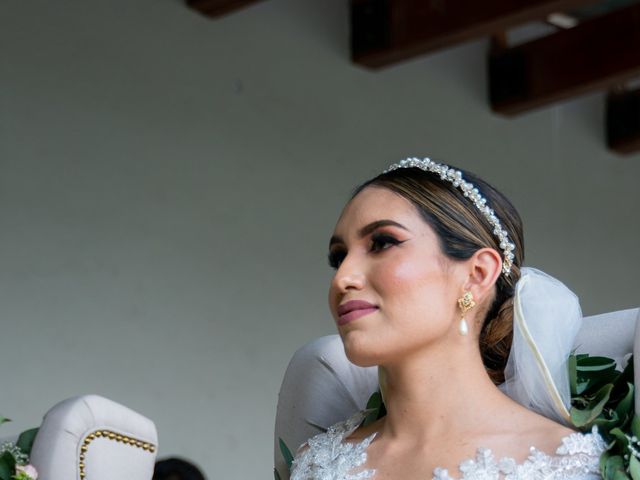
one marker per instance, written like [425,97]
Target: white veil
[546,320]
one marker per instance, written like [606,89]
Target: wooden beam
[218,8]
[384,32]
[623,121]
[595,55]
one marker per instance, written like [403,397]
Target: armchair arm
[93,438]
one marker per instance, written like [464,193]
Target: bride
[427,261]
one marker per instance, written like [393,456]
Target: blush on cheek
[410,274]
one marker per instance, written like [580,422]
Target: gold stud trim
[109,435]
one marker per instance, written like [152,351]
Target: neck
[439,391]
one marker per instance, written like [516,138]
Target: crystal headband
[469,190]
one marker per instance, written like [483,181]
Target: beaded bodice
[328,457]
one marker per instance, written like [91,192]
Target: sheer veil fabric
[547,318]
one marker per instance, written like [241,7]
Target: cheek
[415,290]
[408,276]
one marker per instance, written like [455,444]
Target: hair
[462,230]
[176,469]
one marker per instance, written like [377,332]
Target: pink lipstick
[354,309]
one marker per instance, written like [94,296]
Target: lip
[353,309]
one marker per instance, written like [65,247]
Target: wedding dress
[328,457]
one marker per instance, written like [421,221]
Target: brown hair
[462,230]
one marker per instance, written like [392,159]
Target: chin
[359,350]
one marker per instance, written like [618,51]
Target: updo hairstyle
[462,230]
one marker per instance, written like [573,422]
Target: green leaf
[635,426]
[595,364]
[585,417]
[606,424]
[591,373]
[622,382]
[276,475]
[7,466]
[603,464]
[286,453]
[374,403]
[620,437]
[626,404]
[620,475]
[595,381]
[614,465]
[4,419]
[581,386]
[573,374]
[634,468]
[26,439]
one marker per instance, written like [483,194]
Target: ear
[484,268]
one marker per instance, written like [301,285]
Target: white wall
[169,184]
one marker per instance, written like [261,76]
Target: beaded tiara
[469,190]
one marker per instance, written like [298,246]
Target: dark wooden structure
[384,32]
[595,55]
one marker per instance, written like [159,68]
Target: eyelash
[336,257]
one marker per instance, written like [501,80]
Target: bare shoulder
[545,434]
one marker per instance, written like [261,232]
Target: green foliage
[634,468]
[286,453]
[375,407]
[602,396]
[18,454]
[592,407]
[612,467]
[26,439]
[7,466]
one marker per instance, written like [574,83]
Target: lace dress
[329,458]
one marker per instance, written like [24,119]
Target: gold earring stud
[465,303]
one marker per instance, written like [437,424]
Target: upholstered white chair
[321,387]
[93,438]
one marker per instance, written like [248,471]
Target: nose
[349,276]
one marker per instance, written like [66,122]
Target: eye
[335,258]
[381,241]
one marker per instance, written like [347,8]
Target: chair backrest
[93,438]
[321,387]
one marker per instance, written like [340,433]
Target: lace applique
[577,458]
[328,457]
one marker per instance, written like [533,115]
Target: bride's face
[386,255]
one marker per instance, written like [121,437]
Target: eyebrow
[369,228]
